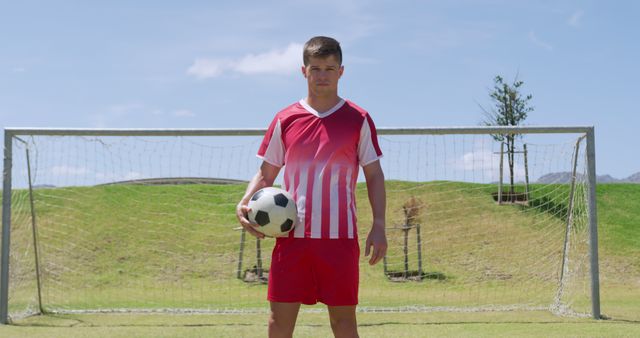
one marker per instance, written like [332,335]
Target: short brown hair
[321,46]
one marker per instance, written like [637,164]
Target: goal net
[144,220]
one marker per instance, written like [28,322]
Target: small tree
[509,108]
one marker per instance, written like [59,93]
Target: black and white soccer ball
[273,210]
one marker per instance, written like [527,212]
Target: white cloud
[575,18]
[206,68]
[278,61]
[540,43]
[478,160]
[486,164]
[482,162]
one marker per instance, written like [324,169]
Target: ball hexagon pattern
[274,211]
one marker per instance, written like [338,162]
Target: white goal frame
[586,131]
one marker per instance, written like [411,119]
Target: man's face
[322,75]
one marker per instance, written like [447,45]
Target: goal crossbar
[12,131]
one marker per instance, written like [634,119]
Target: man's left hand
[377,240]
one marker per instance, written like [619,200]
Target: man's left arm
[376,240]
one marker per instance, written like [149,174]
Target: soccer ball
[273,210]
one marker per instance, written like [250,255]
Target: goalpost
[143,220]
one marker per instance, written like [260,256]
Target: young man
[321,141]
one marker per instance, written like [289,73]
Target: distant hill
[561,177]
[44,186]
[608,179]
[179,180]
[565,177]
[635,178]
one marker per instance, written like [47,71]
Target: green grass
[492,324]
[131,252]
[619,219]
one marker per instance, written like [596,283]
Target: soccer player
[320,141]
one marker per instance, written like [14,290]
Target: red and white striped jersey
[320,153]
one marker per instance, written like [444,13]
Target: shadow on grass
[413,275]
[548,205]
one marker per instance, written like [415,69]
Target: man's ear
[304,71]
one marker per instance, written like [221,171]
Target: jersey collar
[308,108]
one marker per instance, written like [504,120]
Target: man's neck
[322,104]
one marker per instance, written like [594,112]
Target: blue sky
[226,64]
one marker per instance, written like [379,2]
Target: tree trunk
[511,154]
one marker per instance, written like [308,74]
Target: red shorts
[310,270]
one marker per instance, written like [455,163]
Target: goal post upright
[6,226]
[593,224]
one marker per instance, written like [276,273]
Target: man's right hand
[241,213]
[263,178]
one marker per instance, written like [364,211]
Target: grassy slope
[618,211]
[619,239]
[618,214]
[138,233]
[619,220]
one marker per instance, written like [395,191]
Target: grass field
[530,324]
[114,249]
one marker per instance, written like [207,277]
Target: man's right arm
[265,176]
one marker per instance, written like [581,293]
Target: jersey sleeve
[272,148]
[368,148]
